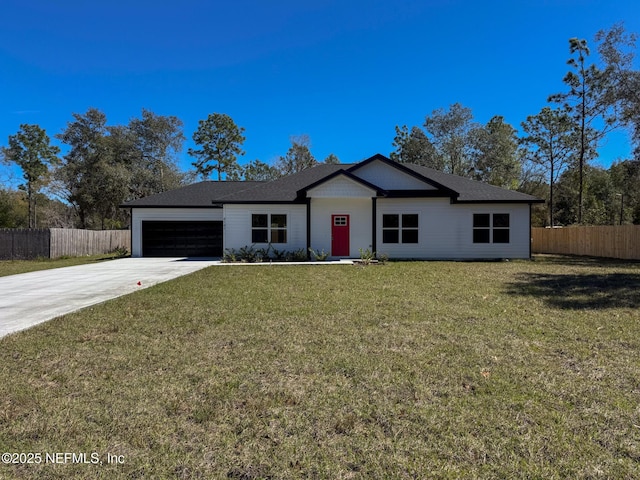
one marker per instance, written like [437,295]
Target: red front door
[339,235]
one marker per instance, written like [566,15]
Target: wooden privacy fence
[57,242]
[621,241]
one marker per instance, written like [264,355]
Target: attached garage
[182,239]
[188,221]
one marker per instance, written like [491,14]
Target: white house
[402,210]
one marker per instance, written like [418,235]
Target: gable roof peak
[342,173]
[378,157]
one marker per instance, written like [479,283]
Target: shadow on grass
[580,291]
[581,261]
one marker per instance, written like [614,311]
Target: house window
[268,228]
[490,228]
[500,228]
[278,228]
[481,228]
[259,228]
[400,228]
[410,228]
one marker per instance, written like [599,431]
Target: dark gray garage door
[181,239]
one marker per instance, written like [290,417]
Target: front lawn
[13,267]
[407,370]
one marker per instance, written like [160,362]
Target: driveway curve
[28,299]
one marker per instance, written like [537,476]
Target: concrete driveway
[31,298]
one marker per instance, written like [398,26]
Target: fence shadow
[583,261]
[580,291]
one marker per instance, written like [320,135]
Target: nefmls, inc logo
[72,457]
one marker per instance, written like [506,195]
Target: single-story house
[401,210]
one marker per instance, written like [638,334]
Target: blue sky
[343,72]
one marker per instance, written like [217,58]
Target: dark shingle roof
[202,194]
[472,190]
[286,189]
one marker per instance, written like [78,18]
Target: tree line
[108,165]
[552,157]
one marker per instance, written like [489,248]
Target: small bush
[230,256]
[366,256]
[279,255]
[299,255]
[248,254]
[120,251]
[263,255]
[320,256]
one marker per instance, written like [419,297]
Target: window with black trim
[500,228]
[490,228]
[398,228]
[269,228]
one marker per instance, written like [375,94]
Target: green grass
[13,267]
[407,370]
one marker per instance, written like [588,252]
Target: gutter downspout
[373,225]
[530,232]
[308,228]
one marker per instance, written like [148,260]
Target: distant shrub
[248,254]
[230,256]
[299,255]
[120,251]
[320,256]
[366,256]
[279,255]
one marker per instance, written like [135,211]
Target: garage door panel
[181,239]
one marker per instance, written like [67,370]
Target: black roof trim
[215,205]
[266,202]
[417,194]
[379,191]
[537,200]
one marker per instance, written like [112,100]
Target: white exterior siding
[519,231]
[340,187]
[389,178]
[166,214]
[360,226]
[446,230]
[237,225]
